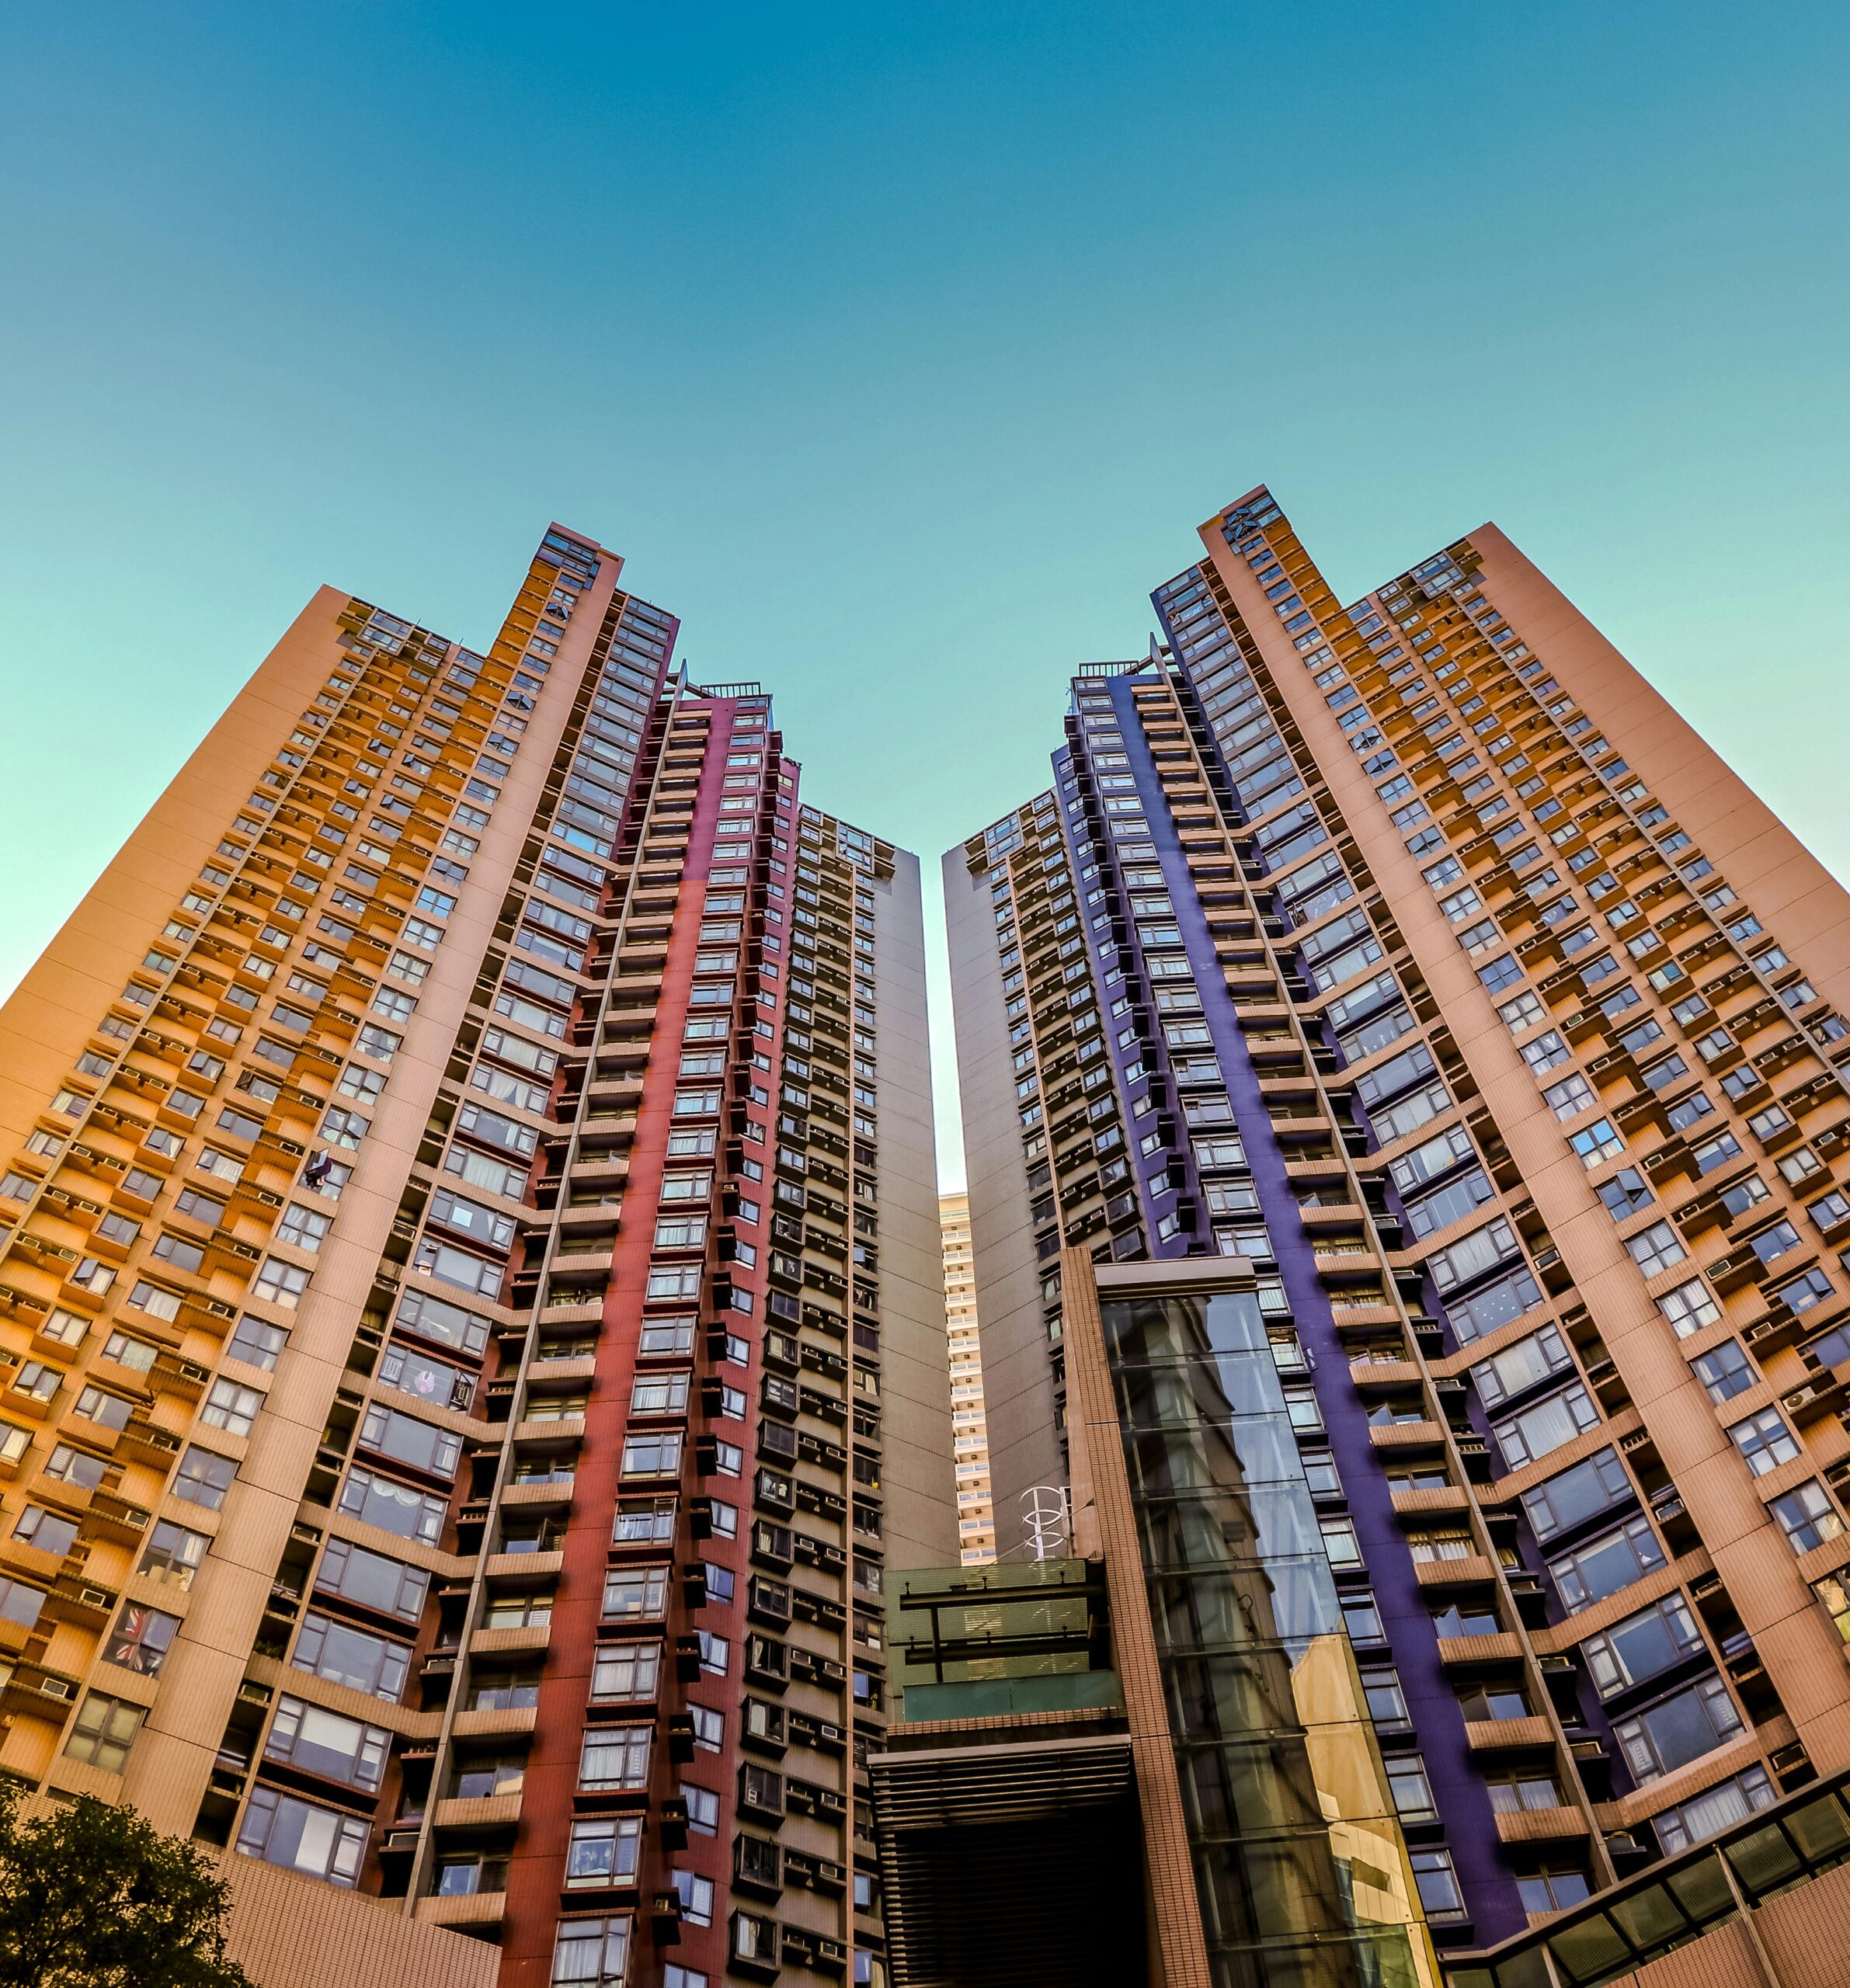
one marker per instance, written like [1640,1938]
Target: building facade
[1417,953]
[471,1308]
[969,1433]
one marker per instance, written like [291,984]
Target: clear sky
[900,350]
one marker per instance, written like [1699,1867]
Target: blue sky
[900,350]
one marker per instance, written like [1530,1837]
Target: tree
[92,1896]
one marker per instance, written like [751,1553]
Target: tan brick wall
[291,1932]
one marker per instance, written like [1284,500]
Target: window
[1726,1372]
[1681,1729]
[1535,1432]
[1523,1789]
[256,1343]
[696,1895]
[302,1835]
[644,1521]
[1386,1701]
[1624,1193]
[392,1506]
[659,1394]
[178,1252]
[408,1441]
[1688,1307]
[353,1657]
[47,1531]
[603,1850]
[1569,1097]
[1596,1142]
[1774,1242]
[624,1671]
[103,1731]
[1411,1791]
[615,1756]
[141,1638]
[324,1742]
[231,1406]
[520,1611]
[591,1953]
[1440,1896]
[651,1455]
[1642,1646]
[1806,1516]
[1340,1542]
[204,1478]
[1765,1440]
[373,1581]
[1716,1809]
[634,1594]
[1831,1211]
[41,1382]
[20,1603]
[1576,1493]
[1520,1365]
[281,1284]
[1655,1249]
[1552,1891]
[1801,1293]
[703,1808]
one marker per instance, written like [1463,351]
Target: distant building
[969,1437]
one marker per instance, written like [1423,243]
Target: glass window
[603,1850]
[591,1953]
[256,1343]
[141,1638]
[103,1731]
[1440,1895]
[231,1406]
[323,1742]
[634,1593]
[1765,1440]
[615,1756]
[302,1835]
[1715,1809]
[1605,1564]
[1576,1493]
[204,1478]
[1680,1730]
[1688,1307]
[1641,1646]
[1806,1516]
[353,1657]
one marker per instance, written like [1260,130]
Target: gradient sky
[900,350]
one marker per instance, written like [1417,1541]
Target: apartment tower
[471,1314]
[1415,955]
[969,1437]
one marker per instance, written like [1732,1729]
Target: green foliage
[91,1896]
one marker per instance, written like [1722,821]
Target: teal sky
[900,350]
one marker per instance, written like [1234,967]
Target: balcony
[482,1812]
[464,1909]
[1509,1735]
[1541,1825]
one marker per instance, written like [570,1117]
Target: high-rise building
[471,1311]
[969,1437]
[1416,952]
